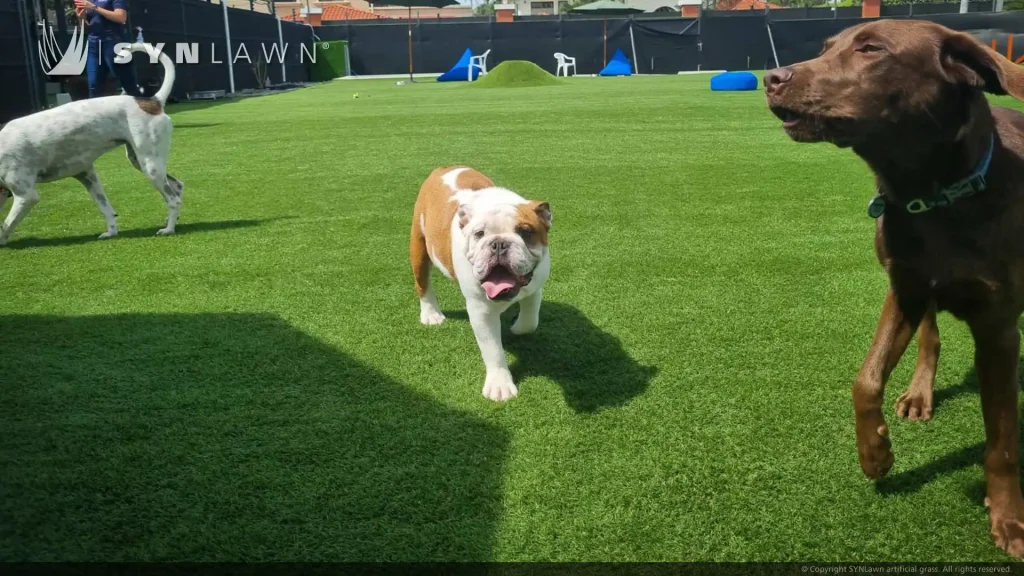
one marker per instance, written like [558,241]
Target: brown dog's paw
[875,451]
[914,405]
[1008,534]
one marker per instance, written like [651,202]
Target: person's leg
[95,69]
[124,73]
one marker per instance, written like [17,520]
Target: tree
[487,8]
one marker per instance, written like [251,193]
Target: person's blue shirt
[102,29]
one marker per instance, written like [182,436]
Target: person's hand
[80,12]
[84,5]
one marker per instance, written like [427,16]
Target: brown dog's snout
[773,79]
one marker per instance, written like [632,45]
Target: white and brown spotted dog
[494,243]
[66,141]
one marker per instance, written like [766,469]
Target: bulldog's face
[504,243]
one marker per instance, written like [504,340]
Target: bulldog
[494,243]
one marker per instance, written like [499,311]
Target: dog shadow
[188,228]
[589,364]
[230,437]
[914,480]
[189,125]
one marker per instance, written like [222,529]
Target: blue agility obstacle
[618,66]
[733,81]
[460,72]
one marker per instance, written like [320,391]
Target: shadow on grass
[229,437]
[188,125]
[913,480]
[188,228]
[588,363]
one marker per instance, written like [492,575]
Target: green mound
[517,73]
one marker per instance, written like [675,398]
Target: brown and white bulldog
[494,243]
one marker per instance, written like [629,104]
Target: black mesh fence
[194,30]
[20,73]
[193,33]
[662,45]
[798,40]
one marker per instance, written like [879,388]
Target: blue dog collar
[962,188]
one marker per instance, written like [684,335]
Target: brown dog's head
[883,81]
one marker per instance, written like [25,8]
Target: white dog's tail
[165,89]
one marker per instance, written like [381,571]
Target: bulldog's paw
[108,234]
[522,326]
[430,317]
[915,404]
[165,231]
[1007,532]
[499,387]
[874,448]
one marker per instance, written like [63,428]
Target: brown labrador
[907,97]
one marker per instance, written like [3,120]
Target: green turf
[517,74]
[259,387]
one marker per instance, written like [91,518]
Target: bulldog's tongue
[498,282]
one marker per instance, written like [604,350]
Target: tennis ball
[356,95]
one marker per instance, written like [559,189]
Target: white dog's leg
[92,183]
[430,310]
[173,190]
[149,154]
[529,314]
[487,328]
[155,168]
[4,197]
[24,199]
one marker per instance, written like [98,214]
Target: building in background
[555,7]
[317,12]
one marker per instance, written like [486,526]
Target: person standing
[106,21]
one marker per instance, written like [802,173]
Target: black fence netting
[193,33]
[20,71]
[254,39]
[735,43]
[799,40]
[662,46]
[298,44]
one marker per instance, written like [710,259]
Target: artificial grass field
[258,387]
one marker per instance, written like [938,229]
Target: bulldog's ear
[464,215]
[965,60]
[543,211]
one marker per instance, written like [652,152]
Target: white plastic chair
[564,63]
[478,62]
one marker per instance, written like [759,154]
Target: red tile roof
[293,18]
[745,5]
[338,12]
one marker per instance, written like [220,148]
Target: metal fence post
[280,44]
[227,41]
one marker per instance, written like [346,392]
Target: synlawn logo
[72,60]
[69,62]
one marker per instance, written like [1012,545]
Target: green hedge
[330,60]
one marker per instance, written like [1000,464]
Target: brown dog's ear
[543,211]
[965,60]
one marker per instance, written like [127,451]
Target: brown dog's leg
[895,328]
[996,356]
[420,260]
[916,402]
[419,256]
